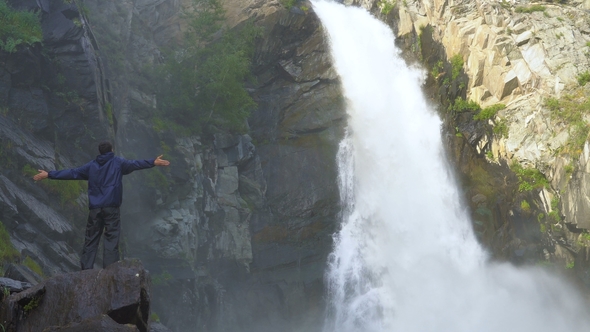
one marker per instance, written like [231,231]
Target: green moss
[386,6]
[584,78]
[109,112]
[7,252]
[154,317]
[530,9]
[157,180]
[543,228]
[461,105]
[488,112]
[456,66]
[529,178]
[437,69]
[483,182]
[288,3]
[32,304]
[34,266]
[162,278]
[572,110]
[18,28]
[525,206]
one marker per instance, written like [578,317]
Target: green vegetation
[570,265]
[525,206]
[154,317]
[162,278]
[488,112]
[456,65]
[18,28]
[437,70]
[202,85]
[67,190]
[572,111]
[34,266]
[461,105]
[33,303]
[529,178]
[7,252]
[157,180]
[109,112]
[554,214]
[386,6]
[584,78]
[288,3]
[529,9]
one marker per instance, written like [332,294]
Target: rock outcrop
[116,298]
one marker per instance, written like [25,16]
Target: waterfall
[405,258]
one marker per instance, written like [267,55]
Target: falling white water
[406,258]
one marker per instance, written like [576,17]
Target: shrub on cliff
[17,28]
[204,82]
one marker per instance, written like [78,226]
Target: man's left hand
[161,162]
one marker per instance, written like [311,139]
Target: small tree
[18,28]
[204,81]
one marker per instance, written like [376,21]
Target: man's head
[105,147]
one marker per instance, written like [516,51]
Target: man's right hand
[41,176]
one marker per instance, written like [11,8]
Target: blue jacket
[104,176]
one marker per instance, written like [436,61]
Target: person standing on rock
[105,195]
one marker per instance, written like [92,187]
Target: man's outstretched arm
[134,165]
[80,173]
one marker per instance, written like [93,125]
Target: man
[105,194]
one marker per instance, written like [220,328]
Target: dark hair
[105,147]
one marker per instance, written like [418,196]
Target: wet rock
[13,286]
[157,327]
[22,273]
[99,323]
[120,291]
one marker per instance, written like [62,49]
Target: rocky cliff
[236,232]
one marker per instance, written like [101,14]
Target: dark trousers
[109,220]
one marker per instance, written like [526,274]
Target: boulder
[79,301]
[98,323]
